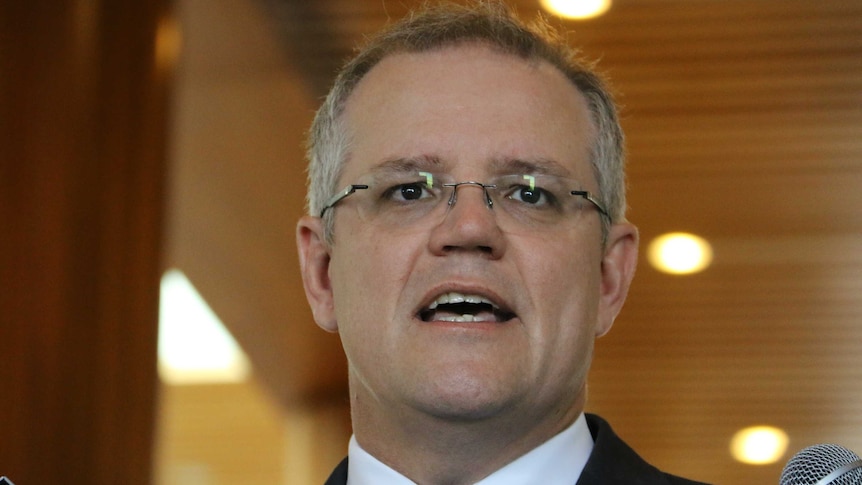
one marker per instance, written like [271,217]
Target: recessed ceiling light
[577,9]
[194,345]
[759,445]
[679,253]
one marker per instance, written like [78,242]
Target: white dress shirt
[558,461]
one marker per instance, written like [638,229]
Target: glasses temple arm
[341,194]
[587,195]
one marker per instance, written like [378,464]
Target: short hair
[489,23]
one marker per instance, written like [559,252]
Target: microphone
[825,464]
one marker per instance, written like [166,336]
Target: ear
[618,268]
[314,260]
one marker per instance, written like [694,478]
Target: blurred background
[158,146]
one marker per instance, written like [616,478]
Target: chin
[464,398]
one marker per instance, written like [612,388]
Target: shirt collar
[558,461]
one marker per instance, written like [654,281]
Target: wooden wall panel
[82,143]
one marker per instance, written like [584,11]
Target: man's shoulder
[614,462]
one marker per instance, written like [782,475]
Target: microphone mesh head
[816,462]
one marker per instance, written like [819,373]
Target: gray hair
[484,22]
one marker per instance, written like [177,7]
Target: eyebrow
[421,163]
[541,166]
[502,165]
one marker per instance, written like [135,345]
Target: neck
[445,450]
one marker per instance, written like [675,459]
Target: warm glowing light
[759,445]
[194,346]
[577,9]
[168,43]
[679,253]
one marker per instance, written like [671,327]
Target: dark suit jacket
[612,462]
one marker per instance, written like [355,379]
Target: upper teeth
[453,297]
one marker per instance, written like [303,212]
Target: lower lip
[477,326]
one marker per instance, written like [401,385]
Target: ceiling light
[194,346]
[679,253]
[759,445]
[577,9]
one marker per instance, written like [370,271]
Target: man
[467,240]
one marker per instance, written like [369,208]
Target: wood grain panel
[82,159]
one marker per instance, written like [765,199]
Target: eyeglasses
[402,199]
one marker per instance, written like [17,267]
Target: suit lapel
[613,462]
[339,475]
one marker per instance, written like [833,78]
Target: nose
[469,225]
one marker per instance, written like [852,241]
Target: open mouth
[464,308]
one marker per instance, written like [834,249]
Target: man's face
[471,110]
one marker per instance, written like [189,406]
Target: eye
[536,196]
[407,192]
[528,195]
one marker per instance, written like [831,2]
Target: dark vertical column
[83,117]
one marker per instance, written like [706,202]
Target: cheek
[358,310]
[564,283]
[566,267]
[368,274]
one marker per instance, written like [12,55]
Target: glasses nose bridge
[453,198]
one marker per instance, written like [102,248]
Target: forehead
[467,106]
